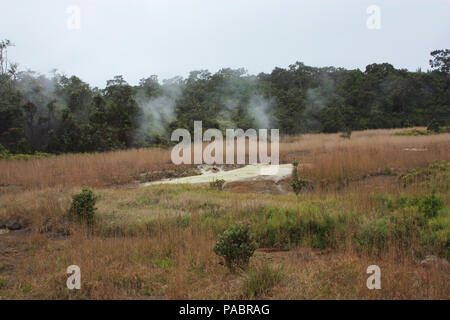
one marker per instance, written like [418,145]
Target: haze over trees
[59,114]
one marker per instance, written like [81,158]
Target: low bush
[83,208]
[236,245]
[298,184]
[430,205]
[217,184]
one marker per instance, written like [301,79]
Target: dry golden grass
[332,158]
[182,266]
[97,169]
[156,242]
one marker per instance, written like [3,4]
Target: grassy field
[378,199]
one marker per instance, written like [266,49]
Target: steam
[317,99]
[157,112]
[259,109]
[40,91]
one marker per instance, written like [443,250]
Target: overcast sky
[139,38]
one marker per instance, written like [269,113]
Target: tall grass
[94,170]
[323,158]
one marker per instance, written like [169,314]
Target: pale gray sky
[138,38]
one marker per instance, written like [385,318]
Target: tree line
[61,114]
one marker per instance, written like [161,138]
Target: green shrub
[83,208]
[261,281]
[236,245]
[298,184]
[433,126]
[217,184]
[430,205]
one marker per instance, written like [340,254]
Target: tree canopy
[57,113]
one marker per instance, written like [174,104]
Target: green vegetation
[236,246]
[83,208]
[2,282]
[428,132]
[217,184]
[430,205]
[5,154]
[414,132]
[410,221]
[425,219]
[438,172]
[298,184]
[63,114]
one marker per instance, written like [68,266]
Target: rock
[433,260]
[13,224]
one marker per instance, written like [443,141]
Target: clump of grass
[260,281]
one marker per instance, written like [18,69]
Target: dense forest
[60,114]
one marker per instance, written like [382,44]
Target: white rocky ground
[250,172]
